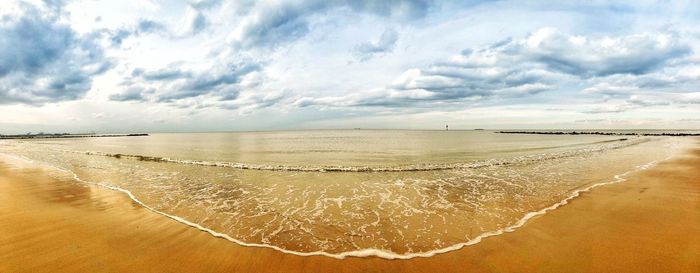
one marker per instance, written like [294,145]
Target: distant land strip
[44,136]
[595,133]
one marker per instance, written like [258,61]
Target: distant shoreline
[48,136]
[594,133]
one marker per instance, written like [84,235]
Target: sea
[339,193]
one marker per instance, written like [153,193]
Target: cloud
[131,94]
[209,56]
[458,80]
[600,56]
[673,85]
[196,20]
[385,44]
[172,84]
[582,56]
[143,26]
[166,74]
[393,8]
[611,90]
[43,60]
[250,101]
[149,26]
[590,120]
[609,109]
[543,60]
[646,101]
[261,24]
[691,98]
[205,4]
[272,23]
[643,100]
[119,36]
[672,77]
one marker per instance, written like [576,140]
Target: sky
[215,65]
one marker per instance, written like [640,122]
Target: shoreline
[260,256]
[363,253]
[54,136]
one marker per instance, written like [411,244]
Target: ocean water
[391,193]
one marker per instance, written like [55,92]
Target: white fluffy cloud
[545,60]
[43,60]
[309,59]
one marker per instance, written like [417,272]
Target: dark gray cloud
[43,60]
[385,44]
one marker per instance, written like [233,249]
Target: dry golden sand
[650,223]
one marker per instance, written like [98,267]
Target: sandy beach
[649,223]
[421,136]
[349,136]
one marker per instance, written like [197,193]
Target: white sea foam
[361,252]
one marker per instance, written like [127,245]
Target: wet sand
[650,223]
